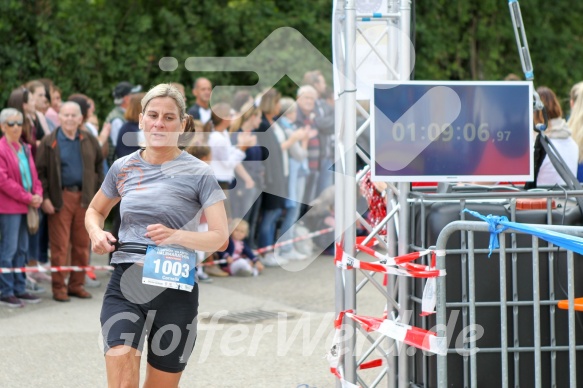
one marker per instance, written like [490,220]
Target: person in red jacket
[19,189]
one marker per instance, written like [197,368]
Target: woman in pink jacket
[19,188]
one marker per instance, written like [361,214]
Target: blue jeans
[13,251]
[267,227]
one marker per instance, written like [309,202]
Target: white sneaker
[269,260]
[292,254]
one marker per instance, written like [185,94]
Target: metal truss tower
[371,40]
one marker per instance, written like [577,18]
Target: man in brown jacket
[70,167]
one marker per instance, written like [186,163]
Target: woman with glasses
[34,128]
[19,189]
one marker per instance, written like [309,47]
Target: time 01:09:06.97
[468,132]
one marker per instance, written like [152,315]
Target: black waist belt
[130,247]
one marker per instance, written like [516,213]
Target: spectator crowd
[271,155]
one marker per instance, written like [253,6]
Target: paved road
[57,344]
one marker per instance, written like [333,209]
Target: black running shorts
[131,310]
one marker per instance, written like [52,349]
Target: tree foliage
[90,45]
[474,40]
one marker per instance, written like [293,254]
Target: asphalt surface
[53,344]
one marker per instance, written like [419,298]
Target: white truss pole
[349,205]
[403,241]
[339,178]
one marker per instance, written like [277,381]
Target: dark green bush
[89,45]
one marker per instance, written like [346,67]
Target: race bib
[169,267]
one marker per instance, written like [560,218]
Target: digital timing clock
[443,131]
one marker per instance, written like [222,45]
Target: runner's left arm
[215,239]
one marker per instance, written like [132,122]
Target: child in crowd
[240,258]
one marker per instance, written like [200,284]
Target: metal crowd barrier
[512,333]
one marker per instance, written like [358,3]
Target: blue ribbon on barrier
[497,224]
[495,227]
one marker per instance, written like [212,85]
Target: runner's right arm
[97,212]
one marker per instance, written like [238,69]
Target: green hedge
[89,45]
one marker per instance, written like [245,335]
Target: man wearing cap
[202,92]
[121,99]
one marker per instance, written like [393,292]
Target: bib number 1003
[171,268]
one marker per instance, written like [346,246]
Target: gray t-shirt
[172,194]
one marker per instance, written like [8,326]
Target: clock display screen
[452,131]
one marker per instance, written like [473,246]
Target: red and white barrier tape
[399,266]
[404,261]
[70,268]
[360,239]
[411,335]
[76,268]
[333,354]
[429,298]
[392,266]
[108,267]
[400,332]
[270,248]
